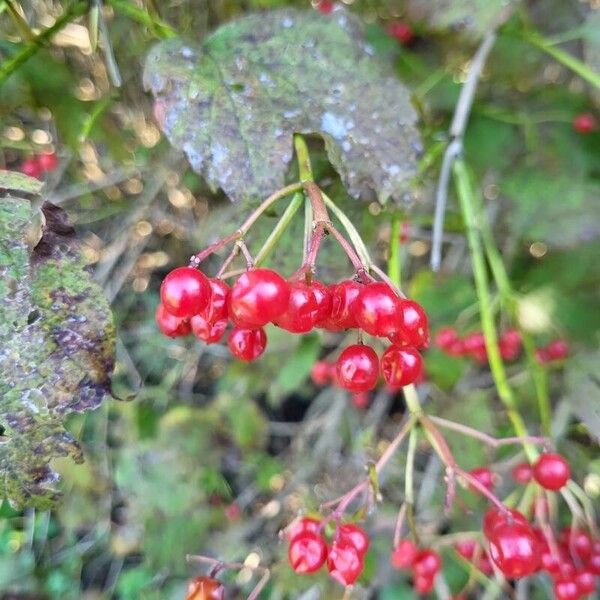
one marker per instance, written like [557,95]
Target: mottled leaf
[56,344]
[591,47]
[583,391]
[233,103]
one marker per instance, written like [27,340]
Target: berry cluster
[585,123]
[191,302]
[556,350]
[36,166]
[205,588]
[308,550]
[473,344]
[425,564]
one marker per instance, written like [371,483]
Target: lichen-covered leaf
[475,17]
[233,103]
[56,344]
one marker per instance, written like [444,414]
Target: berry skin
[354,535]
[185,292]
[413,325]
[205,588]
[494,517]
[585,123]
[423,585]
[484,476]
[302,312]
[377,309]
[593,563]
[466,548]
[401,366]
[586,582]
[343,298]
[551,471]
[302,526]
[456,348]
[576,542]
[357,368]
[404,554]
[322,296]
[47,161]
[474,343]
[361,400]
[247,344]
[514,549]
[557,349]
[325,7]
[344,562]
[170,325]
[402,32]
[427,564]
[216,309]
[522,473]
[566,588]
[307,553]
[446,337]
[31,167]
[208,331]
[542,356]
[510,344]
[320,373]
[257,297]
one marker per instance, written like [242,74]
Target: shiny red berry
[401,366]
[484,476]
[325,7]
[542,356]
[302,526]
[31,168]
[205,588]
[307,553]
[344,562]
[445,337]
[466,548]
[493,517]
[593,563]
[514,549]
[474,343]
[585,123]
[551,471]
[510,344]
[423,585]
[456,348]
[302,312]
[522,473]
[47,161]
[185,292]
[217,308]
[247,344]
[355,536]
[321,372]
[404,554]
[565,588]
[357,368]
[550,562]
[343,298]
[322,295]
[377,309]
[586,582]
[207,331]
[258,297]
[484,565]
[558,349]
[413,324]
[427,563]
[169,324]
[401,31]
[577,542]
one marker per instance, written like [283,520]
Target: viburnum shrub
[384,334]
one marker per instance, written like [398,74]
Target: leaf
[233,103]
[583,391]
[591,47]
[474,17]
[56,344]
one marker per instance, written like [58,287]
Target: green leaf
[295,370]
[233,103]
[56,344]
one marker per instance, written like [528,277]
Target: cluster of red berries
[36,166]
[585,123]
[424,563]
[191,302]
[556,350]
[473,344]
[205,588]
[308,550]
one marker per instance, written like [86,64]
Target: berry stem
[394,265]
[409,486]
[399,523]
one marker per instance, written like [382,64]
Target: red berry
[307,553]
[302,312]
[404,554]
[207,331]
[257,297]
[446,337]
[361,400]
[508,349]
[466,548]
[456,348]
[577,542]
[321,373]
[31,168]
[354,535]
[514,549]
[522,473]
[357,368]
[402,32]
[205,588]
[217,308]
[423,585]
[301,526]
[565,588]
[585,123]
[247,344]
[474,343]
[484,476]
[593,563]
[401,366]
[322,296]
[343,299]
[586,582]
[427,563]
[558,349]
[344,562]
[325,6]
[542,356]
[551,471]
[233,512]
[550,562]
[47,161]
[185,292]
[170,325]
[413,325]
[377,309]
[484,565]
[511,337]
[493,517]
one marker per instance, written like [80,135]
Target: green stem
[505,392]
[565,59]
[158,27]
[9,66]
[303,158]
[394,264]
[409,486]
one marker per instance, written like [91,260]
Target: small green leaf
[297,368]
